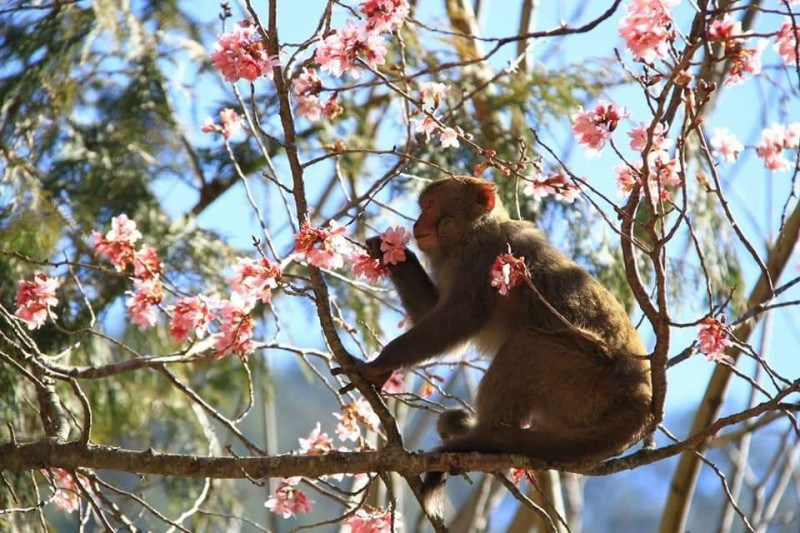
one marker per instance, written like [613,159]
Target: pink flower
[427,126]
[255,278]
[189,313]
[118,243]
[67,495]
[307,83]
[726,145]
[626,179]
[742,60]
[231,124]
[384,15]
[338,52]
[713,338]
[518,475]
[592,128]
[322,247]
[369,267]
[448,137]
[35,299]
[146,263]
[143,301]
[787,43]
[364,522]
[555,184]
[288,500]
[309,107]
[664,172]
[432,93]
[241,54]
[236,327]
[770,147]
[393,245]
[725,28]
[638,137]
[396,384]
[507,272]
[647,28]
[352,414]
[317,443]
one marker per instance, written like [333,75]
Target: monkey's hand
[373,245]
[374,374]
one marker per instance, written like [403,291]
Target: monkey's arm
[416,289]
[452,321]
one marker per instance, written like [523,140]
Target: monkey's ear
[487,195]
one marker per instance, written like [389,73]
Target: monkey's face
[425,227]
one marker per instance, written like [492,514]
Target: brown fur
[551,392]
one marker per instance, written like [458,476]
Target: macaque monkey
[574,387]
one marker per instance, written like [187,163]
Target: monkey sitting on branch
[569,379]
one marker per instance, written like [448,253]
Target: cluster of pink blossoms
[119,247]
[713,337]
[393,246]
[554,184]
[230,124]
[788,43]
[448,137]
[774,140]
[363,521]
[307,87]
[352,414]
[240,54]
[726,145]
[35,299]
[743,60]
[593,128]
[288,500]
[663,170]
[340,52]
[67,495]
[507,272]
[322,247]
[647,28]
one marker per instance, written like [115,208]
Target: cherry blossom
[713,338]
[638,137]
[255,278]
[67,495]
[426,125]
[240,54]
[353,413]
[288,500]
[448,137]
[788,43]
[742,60]
[118,244]
[664,172]
[35,299]
[393,245]
[396,384]
[146,263]
[594,127]
[230,124]
[432,93]
[188,314]
[774,140]
[369,267]
[339,51]
[726,145]
[306,88]
[626,179]
[555,184]
[507,272]
[375,522]
[143,301]
[518,475]
[317,443]
[236,327]
[647,28]
[384,15]
[322,247]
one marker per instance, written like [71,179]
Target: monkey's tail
[433,494]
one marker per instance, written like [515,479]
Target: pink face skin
[425,226]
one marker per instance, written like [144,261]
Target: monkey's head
[449,208]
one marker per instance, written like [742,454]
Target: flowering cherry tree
[186,202]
